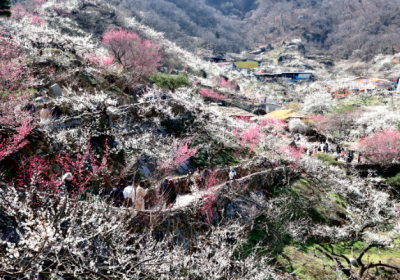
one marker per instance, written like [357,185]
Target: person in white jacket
[232,174]
[130,192]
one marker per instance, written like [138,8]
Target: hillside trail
[186,200]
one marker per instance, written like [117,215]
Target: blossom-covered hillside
[124,156]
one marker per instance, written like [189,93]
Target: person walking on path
[30,108]
[44,113]
[117,197]
[68,185]
[205,176]
[232,174]
[140,194]
[56,112]
[129,194]
[168,192]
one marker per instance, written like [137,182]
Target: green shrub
[328,159]
[170,82]
[394,181]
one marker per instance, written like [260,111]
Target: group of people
[153,94]
[132,196]
[201,178]
[44,113]
[140,197]
[340,152]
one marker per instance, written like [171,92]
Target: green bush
[328,159]
[170,82]
[394,181]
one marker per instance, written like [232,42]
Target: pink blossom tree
[225,83]
[249,137]
[210,94]
[183,154]
[140,57]
[17,140]
[382,147]
[209,200]
[103,61]
[272,123]
[34,173]
[293,154]
[16,126]
[14,73]
[180,156]
[316,118]
[18,12]
[37,20]
[83,166]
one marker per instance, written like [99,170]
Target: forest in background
[357,29]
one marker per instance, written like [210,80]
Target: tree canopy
[171,82]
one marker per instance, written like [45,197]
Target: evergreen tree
[171,82]
[5,6]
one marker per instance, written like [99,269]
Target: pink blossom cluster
[317,118]
[225,83]
[18,12]
[18,140]
[249,137]
[14,73]
[272,123]
[244,119]
[34,172]
[181,155]
[83,167]
[212,179]
[103,61]
[30,10]
[184,153]
[293,153]
[382,146]
[209,200]
[210,94]
[37,20]
[137,55]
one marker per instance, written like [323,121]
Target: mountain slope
[345,29]
[182,18]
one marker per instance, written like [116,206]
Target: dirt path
[187,200]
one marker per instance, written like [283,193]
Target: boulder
[183,169]
[298,126]
[55,90]
[40,99]
[145,171]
